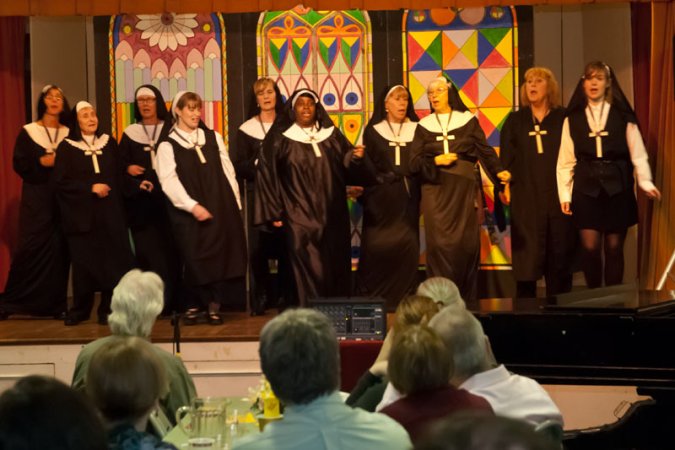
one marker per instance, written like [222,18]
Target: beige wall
[60,50]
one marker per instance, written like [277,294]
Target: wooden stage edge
[238,327]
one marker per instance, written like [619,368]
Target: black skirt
[604,213]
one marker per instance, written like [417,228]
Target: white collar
[457,120]
[99,142]
[137,134]
[407,131]
[252,128]
[296,133]
[196,135]
[39,136]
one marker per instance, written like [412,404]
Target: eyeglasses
[145,99]
[58,98]
[437,91]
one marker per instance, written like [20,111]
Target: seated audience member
[137,300]
[442,290]
[420,368]
[471,431]
[43,413]
[299,356]
[412,310]
[125,381]
[477,371]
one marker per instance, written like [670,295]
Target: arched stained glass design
[477,49]
[173,52]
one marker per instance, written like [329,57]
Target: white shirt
[166,168]
[514,396]
[510,395]
[567,160]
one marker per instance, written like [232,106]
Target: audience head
[43,413]
[419,361]
[464,338]
[53,101]
[299,356]
[137,300]
[475,431]
[125,379]
[441,290]
[413,310]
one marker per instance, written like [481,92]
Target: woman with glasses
[447,145]
[38,276]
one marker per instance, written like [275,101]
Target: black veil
[618,99]
[75,133]
[162,112]
[454,100]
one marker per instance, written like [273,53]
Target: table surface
[247,424]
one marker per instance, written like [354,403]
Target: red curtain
[12,117]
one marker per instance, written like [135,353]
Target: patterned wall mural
[329,52]
[477,49]
[173,52]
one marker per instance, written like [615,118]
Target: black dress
[543,239]
[95,227]
[38,277]
[154,245]
[390,235]
[308,193]
[264,243]
[449,195]
[213,251]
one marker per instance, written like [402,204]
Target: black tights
[593,242]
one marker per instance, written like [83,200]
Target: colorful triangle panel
[495,59]
[449,49]
[470,48]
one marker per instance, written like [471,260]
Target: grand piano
[608,336]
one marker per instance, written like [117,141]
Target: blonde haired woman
[543,239]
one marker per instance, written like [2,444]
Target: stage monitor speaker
[357,318]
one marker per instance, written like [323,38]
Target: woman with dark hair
[601,147]
[264,243]
[301,183]
[390,235]
[543,239]
[154,246]
[198,178]
[447,145]
[38,277]
[43,413]
[88,189]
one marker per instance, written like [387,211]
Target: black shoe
[60,316]
[215,319]
[73,319]
[194,317]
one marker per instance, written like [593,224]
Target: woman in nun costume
[390,249]
[154,245]
[38,277]
[198,178]
[301,185]
[447,145]
[88,182]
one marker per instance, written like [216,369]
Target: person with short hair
[477,371]
[475,431]
[369,389]
[136,302]
[300,357]
[420,368]
[42,413]
[442,290]
[197,176]
[125,381]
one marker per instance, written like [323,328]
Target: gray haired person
[441,290]
[137,300]
[300,357]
